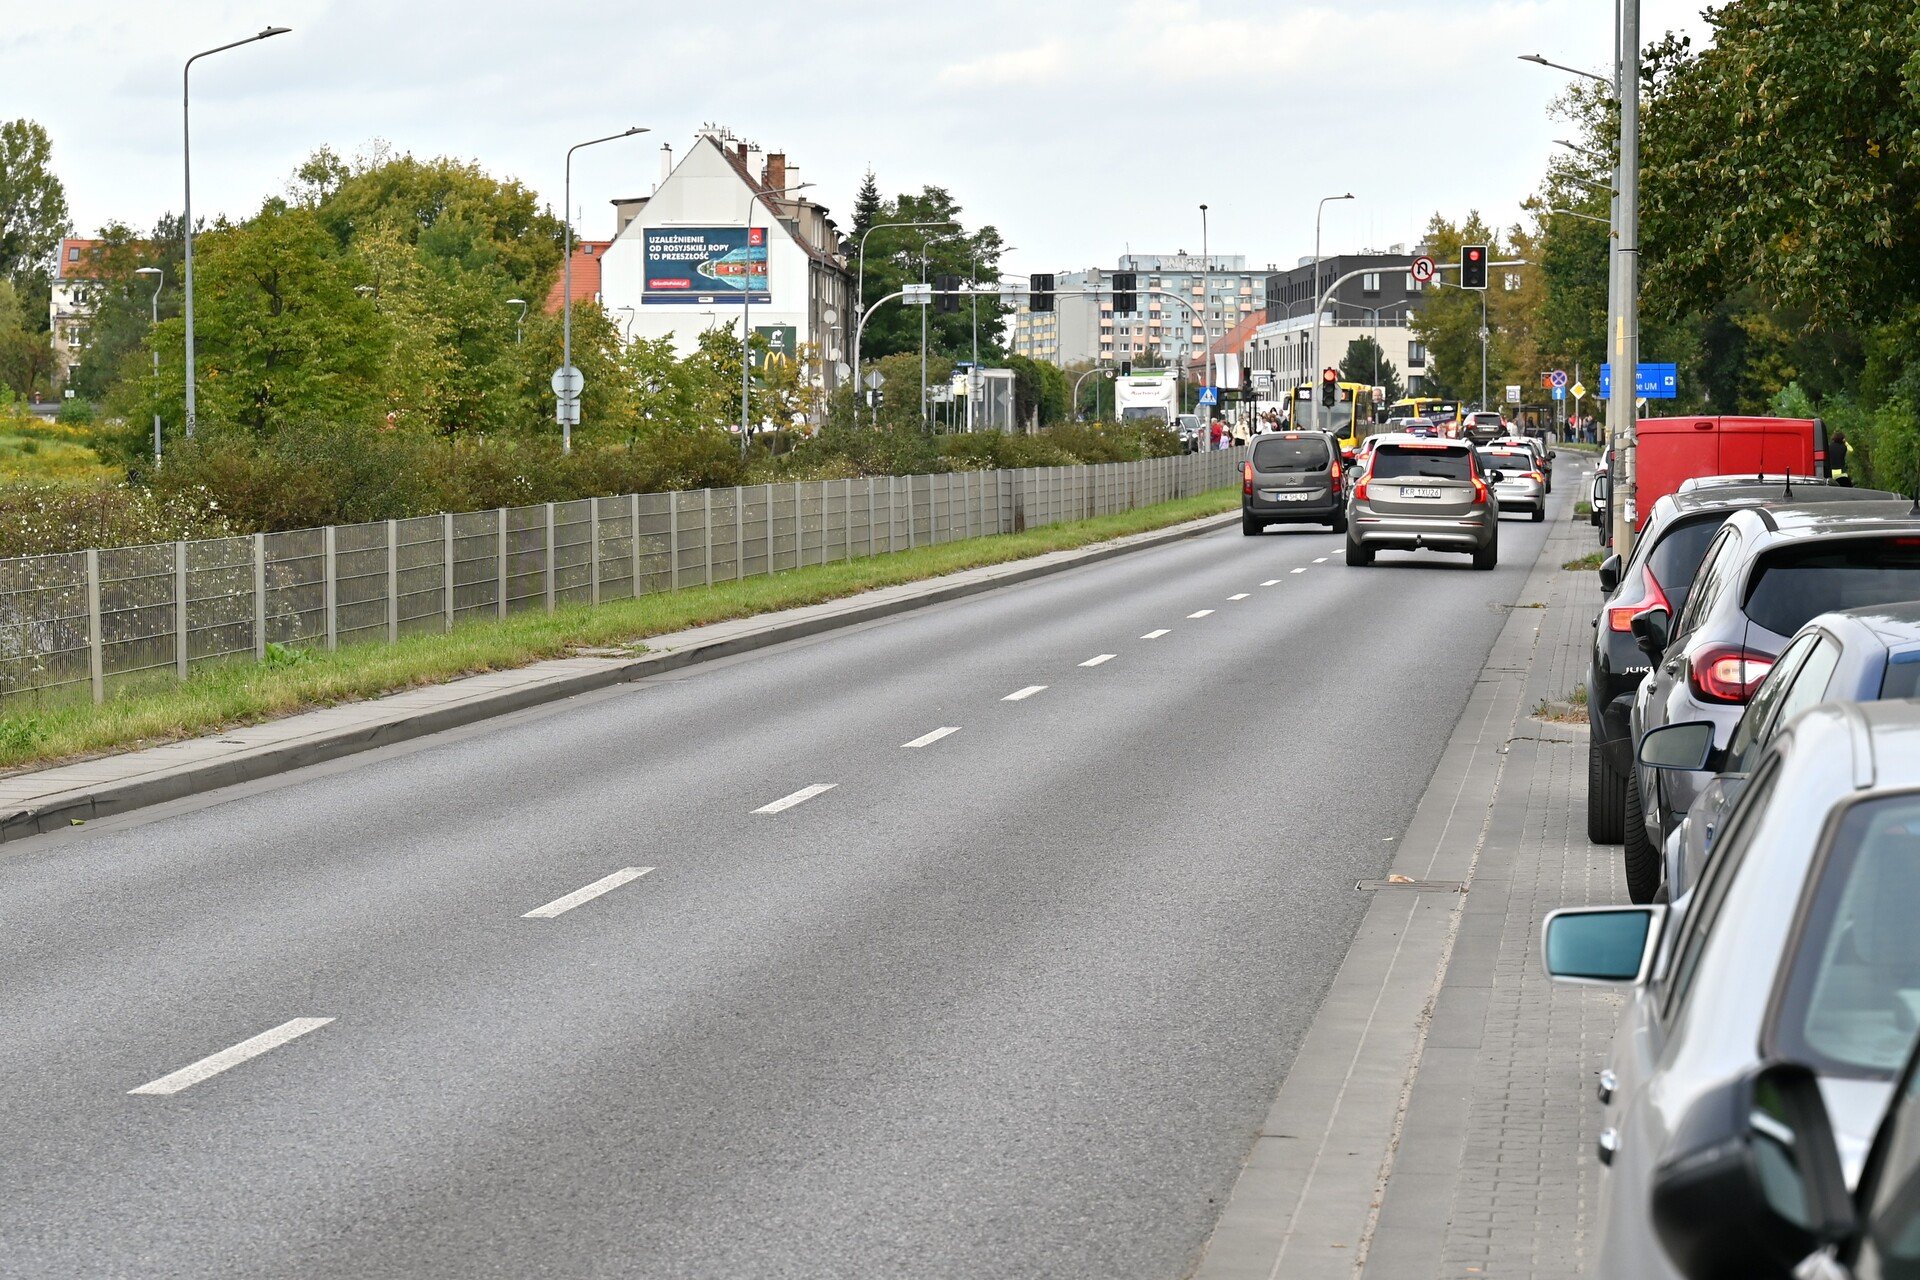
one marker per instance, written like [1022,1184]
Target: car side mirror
[1495,477]
[1602,487]
[1687,746]
[1609,574]
[1601,946]
[1751,1182]
[1553,453]
[1652,629]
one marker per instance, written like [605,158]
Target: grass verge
[34,735]
[1591,560]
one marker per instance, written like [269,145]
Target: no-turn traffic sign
[1423,268]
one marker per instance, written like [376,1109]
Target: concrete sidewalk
[48,799]
[1439,1120]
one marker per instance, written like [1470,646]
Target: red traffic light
[1329,375]
[1473,255]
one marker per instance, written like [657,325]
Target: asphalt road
[1009,1003]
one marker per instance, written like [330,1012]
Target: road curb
[83,803]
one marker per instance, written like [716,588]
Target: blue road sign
[1559,393]
[1654,381]
[1209,395]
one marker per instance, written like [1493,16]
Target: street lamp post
[973,292]
[520,319]
[1206,305]
[1319,209]
[566,289]
[159,283]
[746,303]
[186,220]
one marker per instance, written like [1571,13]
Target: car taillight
[1360,487]
[1336,472]
[1246,478]
[1537,476]
[1479,491]
[1728,673]
[1620,616]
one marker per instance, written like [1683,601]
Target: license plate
[1411,491]
[1274,495]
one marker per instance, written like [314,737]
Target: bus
[1443,411]
[1351,415]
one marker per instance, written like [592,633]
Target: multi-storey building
[1377,303]
[76,297]
[1183,309]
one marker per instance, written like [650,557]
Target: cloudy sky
[1081,128]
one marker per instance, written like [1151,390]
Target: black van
[1292,477]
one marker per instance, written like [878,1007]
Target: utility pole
[1483,348]
[1623,324]
[923,337]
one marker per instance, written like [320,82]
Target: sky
[1082,129]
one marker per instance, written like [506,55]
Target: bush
[37,519]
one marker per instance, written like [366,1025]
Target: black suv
[1665,557]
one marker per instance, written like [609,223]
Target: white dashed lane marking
[1201,613]
[1321,560]
[1301,569]
[1241,596]
[1271,582]
[1154,635]
[1099,658]
[801,796]
[1019,695]
[928,739]
[587,893]
[212,1065]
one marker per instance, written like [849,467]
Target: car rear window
[1793,583]
[1305,453]
[1505,460]
[1903,676]
[1676,558]
[1853,986]
[1393,461]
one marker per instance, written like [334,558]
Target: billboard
[704,264]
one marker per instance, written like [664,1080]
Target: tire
[1539,513]
[1606,797]
[1340,523]
[1358,556]
[1639,855]
[1488,556]
[1249,526]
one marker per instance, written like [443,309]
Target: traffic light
[1040,291]
[1124,283]
[1126,368]
[1473,266]
[1329,387]
[946,293]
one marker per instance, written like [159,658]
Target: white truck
[1147,397]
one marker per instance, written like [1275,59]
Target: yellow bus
[1435,408]
[1351,415]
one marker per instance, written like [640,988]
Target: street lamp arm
[1575,213]
[1537,60]
[262,35]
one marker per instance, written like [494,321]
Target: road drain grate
[1418,886]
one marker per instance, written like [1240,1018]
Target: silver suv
[1424,493]
[1767,572]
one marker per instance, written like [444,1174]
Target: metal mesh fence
[92,620]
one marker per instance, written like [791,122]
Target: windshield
[1392,462]
[1796,582]
[1903,676]
[1134,413]
[1676,557]
[1306,453]
[1853,992]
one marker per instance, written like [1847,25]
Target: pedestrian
[1219,436]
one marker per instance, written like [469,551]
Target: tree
[894,258]
[1364,362]
[33,210]
[26,354]
[866,205]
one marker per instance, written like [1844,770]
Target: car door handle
[1608,1145]
[1608,1083]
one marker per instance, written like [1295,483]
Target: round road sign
[568,382]
[1559,377]
[1423,268]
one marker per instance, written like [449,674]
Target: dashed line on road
[1321,560]
[1155,635]
[586,893]
[928,739]
[1301,569]
[801,796]
[1099,658]
[213,1064]
[1200,613]
[1271,582]
[1242,596]
[1021,695]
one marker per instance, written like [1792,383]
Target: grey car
[1522,487]
[1797,945]
[1857,655]
[1767,572]
[1291,477]
[1420,493]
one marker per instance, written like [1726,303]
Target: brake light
[1479,491]
[1246,478]
[1360,486]
[1620,616]
[1537,476]
[1728,673]
[1336,469]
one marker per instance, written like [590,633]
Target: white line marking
[928,739]
[801,796]
[1099,658]
[1154,635]
[1200,614]
[1020,694]
[212,1065]
[1321,560]
[1301,569]
[1271,582]
[1241,596]
[587,893]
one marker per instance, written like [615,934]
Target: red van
[1675,449]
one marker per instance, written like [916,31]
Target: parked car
[1187,425]
[1768,571]
[1599,486]
[1752,1184]
[1797,945]
[1857,655]
[1521,486]
[1419,493]
[1665,557]
[1290,477]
